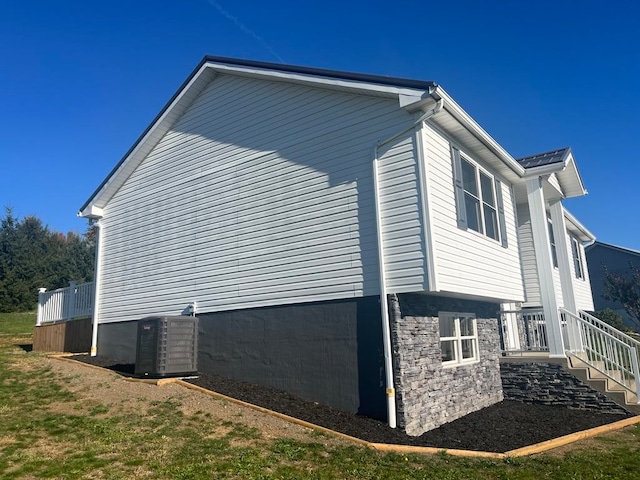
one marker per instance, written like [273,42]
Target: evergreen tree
[624,288]
[32,256]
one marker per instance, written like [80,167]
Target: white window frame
[458,339]
[480,199]
[552,244]
[578,264]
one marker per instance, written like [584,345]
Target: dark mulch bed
[499,428]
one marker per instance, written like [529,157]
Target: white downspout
[384,306]
[96,289]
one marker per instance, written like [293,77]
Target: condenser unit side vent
[167,347]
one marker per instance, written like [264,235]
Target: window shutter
[501,220]
[458,188]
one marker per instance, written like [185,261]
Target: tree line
[32,256]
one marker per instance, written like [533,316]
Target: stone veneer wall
[550,384]
[428,395]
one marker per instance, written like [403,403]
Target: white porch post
[510,319]
[97,276]
[544,264]
[71,299]
[40,306]
[566,281]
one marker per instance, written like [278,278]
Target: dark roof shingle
[547,158]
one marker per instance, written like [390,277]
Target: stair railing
[606,349]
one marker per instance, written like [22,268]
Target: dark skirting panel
[327,352]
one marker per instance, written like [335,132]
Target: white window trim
[458,338]
[480,198]
[553,244]
[577,259]
[457,157]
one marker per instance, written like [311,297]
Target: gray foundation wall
[428,395]
[118,341]
[327,352]
[550,384]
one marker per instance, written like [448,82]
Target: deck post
[39,316]
[71,310]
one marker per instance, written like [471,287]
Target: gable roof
[617,248]
[208,69]
[560,162]
[412,95]
[323,73]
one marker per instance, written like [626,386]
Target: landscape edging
[387,447]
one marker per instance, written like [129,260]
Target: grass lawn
[17,323]
[47,432]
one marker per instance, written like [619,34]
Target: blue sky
[80,80]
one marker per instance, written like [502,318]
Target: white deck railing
[535,331]
[74,301]
[606,349]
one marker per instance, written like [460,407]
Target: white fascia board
[470,124]
[567,174]
[576,226]
[154,133]
[545,170]
[315,80]
[92,212]
[571,180]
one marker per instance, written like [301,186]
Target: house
[348,238]
[602,257]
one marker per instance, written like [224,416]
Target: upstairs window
[577,259]
[458,338]
[479,201]
[552,241]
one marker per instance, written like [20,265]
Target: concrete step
[598,381]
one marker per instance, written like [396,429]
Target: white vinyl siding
[260,194]
[528,258]
[468,262]
[581,286]
[402,229]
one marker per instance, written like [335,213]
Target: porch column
[544,264]
[564,265]
[510,333]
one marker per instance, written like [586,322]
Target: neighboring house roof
[546,158]
[629,251]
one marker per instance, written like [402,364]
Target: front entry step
[598,381]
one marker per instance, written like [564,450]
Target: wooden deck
[73,336]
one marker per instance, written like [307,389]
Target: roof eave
[455,110]
[587,236]
[567,173]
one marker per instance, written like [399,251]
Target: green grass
[47,432]
[12,324]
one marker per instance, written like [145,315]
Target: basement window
[458,338]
